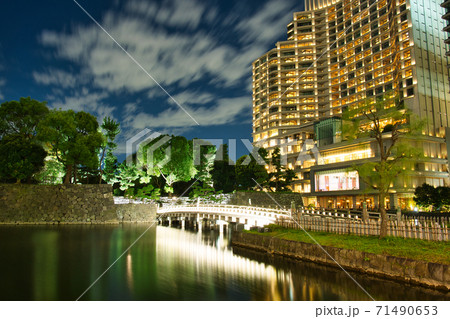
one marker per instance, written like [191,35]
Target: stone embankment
[263,199]
[67,204]
[418,272]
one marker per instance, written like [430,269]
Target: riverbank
[435,275]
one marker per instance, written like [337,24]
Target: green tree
[223,173]
[21,155]
[205,191]
[52,173]
[169,157]
[433,198]
[249,169]
[149,192]
[390,126]
[108,161]
[204,155]
[126,176]
[135,182]
[280,178]
[74,140]
[20,159]
[20,118]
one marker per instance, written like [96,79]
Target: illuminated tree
[74,140]
[204,155]
[169,157]
[108,161]
[391,127]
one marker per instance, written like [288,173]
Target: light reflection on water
[60,262]
[208,260]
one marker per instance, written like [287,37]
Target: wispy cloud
[264,26]
[195,51]
[56,77]
[173,13]
[223,111]
[173,56]
[84,100]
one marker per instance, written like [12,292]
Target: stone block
[446,274]
[436,271]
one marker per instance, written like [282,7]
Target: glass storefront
[347,202]
[336,180]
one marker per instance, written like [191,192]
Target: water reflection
[207,260]
[45,265]
[59,263]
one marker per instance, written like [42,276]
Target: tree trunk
[75,177]
[383,227]
[68,174]
[100,168]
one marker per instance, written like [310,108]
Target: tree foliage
[281,177]
[204,155]
[20,118]
[205,191]
[74,140]
[249,169]
[433,198]
[108,161]
[223,173]
[21,155]
[169,157]
[391,126]
[135,182]
[20,158]
[52,173]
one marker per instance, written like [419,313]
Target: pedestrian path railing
[402,228]
[321,220]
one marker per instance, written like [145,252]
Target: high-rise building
[446,17]
[337,54]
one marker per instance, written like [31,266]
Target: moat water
[62,262]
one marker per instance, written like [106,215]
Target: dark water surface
[61,262]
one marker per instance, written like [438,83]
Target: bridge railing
[305,211]
[254,210]
[227,209]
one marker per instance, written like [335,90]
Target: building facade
[446,17]
[337,54]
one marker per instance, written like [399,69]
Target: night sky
[200,52]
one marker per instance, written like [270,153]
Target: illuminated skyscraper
[446,17]
[337,54]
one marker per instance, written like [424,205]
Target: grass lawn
[430,251]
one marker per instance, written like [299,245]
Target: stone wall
[67,204]
[403,269]
[264,199]
[21,203]
[143,213]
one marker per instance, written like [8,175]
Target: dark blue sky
[200,52]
